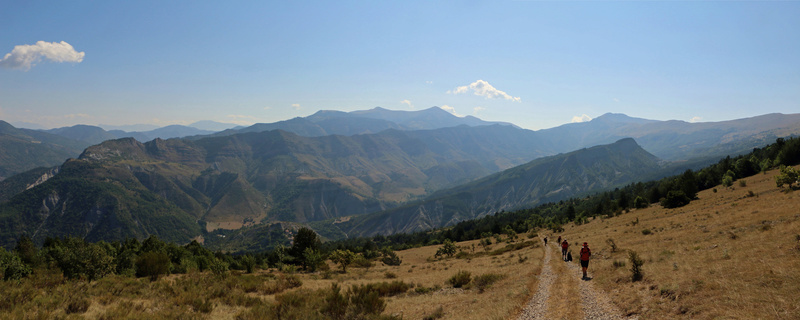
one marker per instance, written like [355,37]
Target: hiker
[564,247]
[545,240]
[586,253]
[559,240]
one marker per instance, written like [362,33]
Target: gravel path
[595,303]
[537,306]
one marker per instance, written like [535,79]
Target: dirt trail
[594,303]
[537,306]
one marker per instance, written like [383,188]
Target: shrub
[612,244]
[365,301]
[361,262]
[640,203]
[437,314]
[448,249]
[675,199]
[312,259]
[343,257]
[388,289]
[152,264]
[484,281]
[646,231]
[460,279]
[742,183]
[336,303]
[12,267]
[788,176]
[618,264]
[249,263]
[390,275]
[78,305]
[219,267]
[390,258]
[636,266]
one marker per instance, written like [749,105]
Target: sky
[537,64]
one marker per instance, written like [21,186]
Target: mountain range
[372,172]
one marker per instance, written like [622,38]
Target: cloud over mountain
[484,89]
[26,56]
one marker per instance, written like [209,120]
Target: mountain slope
[24,149]
[542,180]
[676,140]
[245,179]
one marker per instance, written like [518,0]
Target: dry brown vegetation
[734,253]
[418,288]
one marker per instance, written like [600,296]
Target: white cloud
[477,110]
[296,106]
[695,119]
[26,56]
[410,105]
[428,82]
[581,118]
[451,110]
[484,89]
[615,100]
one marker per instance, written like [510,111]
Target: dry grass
[564,302]
[734,253]
[502,290]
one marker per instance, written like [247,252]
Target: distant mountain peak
[620,118]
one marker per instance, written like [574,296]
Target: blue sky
[537,64]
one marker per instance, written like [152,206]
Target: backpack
[585,254]
[569,256]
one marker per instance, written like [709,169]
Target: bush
[788,176]
[640,203]
[460,279]
[390,258]
[313,259]
[78,305]
[612,244]
[484,281]
[636,266]
[361,262]
[388,289]
[12,267]
[675,199]
[365,301]
[437,314]
[448,249]
[336,303]
[646,231]
[249,263]
[152,264]
[218,267]
[343,257]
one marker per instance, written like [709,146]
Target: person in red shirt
[586,253]
[564,247]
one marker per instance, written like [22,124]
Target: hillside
[726,255]
[733,253]
[23,149]
[543,180]
[233,181]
